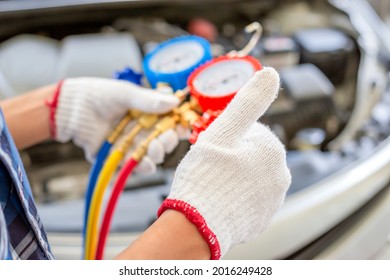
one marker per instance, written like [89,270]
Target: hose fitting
[163,125]
[146,121]
[120,127]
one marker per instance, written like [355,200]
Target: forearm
[27,116]
[172,236]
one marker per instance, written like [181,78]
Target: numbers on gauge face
[177,57]
[224,77]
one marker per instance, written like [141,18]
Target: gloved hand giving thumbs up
[235,178]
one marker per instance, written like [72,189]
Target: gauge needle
[174,61]
[222,82]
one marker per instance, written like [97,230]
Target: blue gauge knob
[174,60]
[129,75]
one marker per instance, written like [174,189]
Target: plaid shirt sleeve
[4,248]
[22,235]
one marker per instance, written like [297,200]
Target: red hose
[116,191]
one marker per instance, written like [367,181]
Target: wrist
[172,236]
[27,116]
[52,104]
[194,217]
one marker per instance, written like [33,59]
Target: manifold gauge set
[203,83]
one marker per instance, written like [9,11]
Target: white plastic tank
[31,61]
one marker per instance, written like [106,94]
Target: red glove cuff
[193,215]
[52,103]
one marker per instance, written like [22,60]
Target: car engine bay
[332,112]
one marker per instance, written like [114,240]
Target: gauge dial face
[224,77]
[177,57]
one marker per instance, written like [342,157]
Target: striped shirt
[22,235]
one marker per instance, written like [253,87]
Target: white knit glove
[86,110]
[234,179]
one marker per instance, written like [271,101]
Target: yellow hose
[93,218]
[110,167]
[105,176]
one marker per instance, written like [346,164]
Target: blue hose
[129,75]
[93,177]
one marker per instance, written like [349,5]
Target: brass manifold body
[184,115]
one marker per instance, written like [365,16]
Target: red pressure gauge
[215,83]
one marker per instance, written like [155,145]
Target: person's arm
[172,236]
[27,116]
[86,110]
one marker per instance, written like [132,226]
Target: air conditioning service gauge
[173,61]
[215,83]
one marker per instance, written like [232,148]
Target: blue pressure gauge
[173,61]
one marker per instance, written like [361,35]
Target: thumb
[248,105]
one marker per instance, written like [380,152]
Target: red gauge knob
[202,123]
